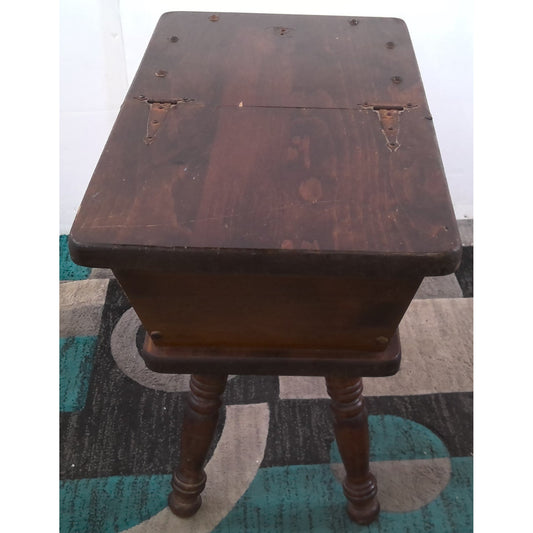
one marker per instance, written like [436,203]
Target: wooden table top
[273,143]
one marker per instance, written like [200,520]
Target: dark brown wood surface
[279,60]
[199,424]
[351,432]
[274,362]
[264,311]
[276,144]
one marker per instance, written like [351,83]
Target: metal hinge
[389,120]
[157,114]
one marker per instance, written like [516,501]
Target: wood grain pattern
[274,147]
[277,362]
[317,62]
[351,433]
[199,424]
[266,312]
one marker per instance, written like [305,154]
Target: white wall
[102,42]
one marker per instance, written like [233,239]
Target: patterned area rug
[275,467]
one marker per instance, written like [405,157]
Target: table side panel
[257,311]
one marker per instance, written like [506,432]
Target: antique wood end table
[270,198]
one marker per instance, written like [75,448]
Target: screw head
[396,80]
[390,45]
[213,18]
[174,39]
[161,73]
[354,22]
[382,340]
[156,335]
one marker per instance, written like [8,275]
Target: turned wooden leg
[201,416]
[351,432]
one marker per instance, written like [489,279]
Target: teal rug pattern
[120,427]
[111,504]
[394,439]
[75,367]
[309,498]
[291,498]
[68,270]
